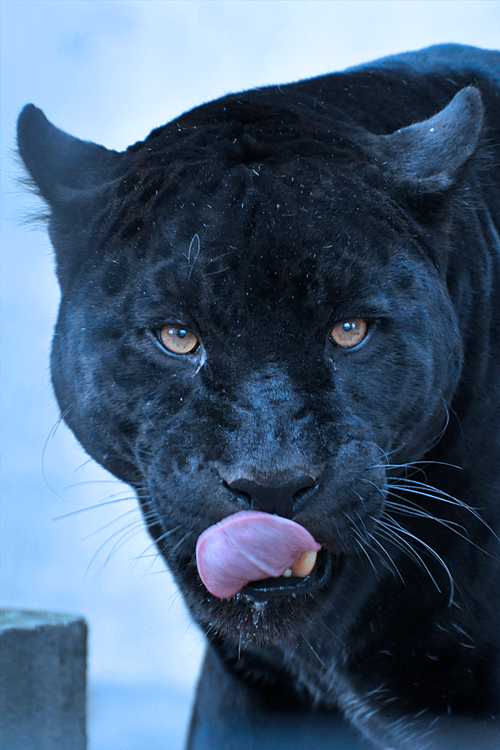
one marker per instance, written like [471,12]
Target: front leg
[230,715]
[460,733]
[425,731]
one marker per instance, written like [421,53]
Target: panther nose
[278,499]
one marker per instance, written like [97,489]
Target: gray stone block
[42,681]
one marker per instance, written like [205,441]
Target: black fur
[258,222]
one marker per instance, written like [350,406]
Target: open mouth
[327,565]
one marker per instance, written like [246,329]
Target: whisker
[127,533]
[44,451]
[386,553]
[418,488]
[115,520]
[152,425]
[402,545]
[416,465]
[314,652]
[409,508]
[166,534]
[361,544]
[369,481]
[95,481]
[127,536]
[395,528]
[96,506]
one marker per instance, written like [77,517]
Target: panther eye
[178,340]
[348,333]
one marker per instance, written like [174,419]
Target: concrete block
[42,681]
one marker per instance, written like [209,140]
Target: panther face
[263,351]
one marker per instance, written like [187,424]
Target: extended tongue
[251,546]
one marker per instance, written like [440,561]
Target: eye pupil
[348,333]
[178,340]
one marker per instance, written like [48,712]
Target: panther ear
[58,163]
[429,156]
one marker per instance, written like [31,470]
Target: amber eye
[348,333]
[178,340]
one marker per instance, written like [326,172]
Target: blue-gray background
[110,72]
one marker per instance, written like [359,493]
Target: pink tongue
[249,546]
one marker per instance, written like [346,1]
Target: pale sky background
[110,72]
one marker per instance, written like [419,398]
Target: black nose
[279,499]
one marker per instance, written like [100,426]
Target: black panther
[279,324]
